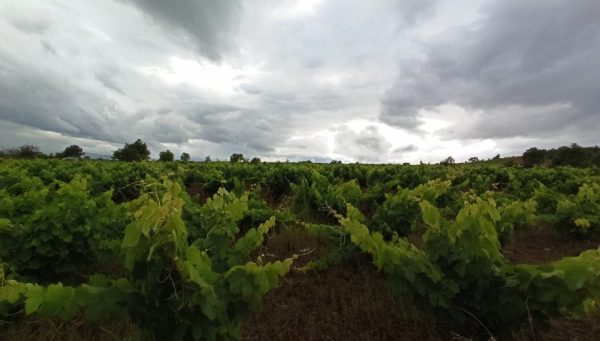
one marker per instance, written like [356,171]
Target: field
[298,251]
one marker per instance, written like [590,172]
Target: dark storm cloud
[527,68]
[44,100]
[209,24]
[368,145]
[249,130]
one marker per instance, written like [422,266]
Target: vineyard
[219,251]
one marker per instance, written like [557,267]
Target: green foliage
[72,151]
[193,270]
[56,232]
[185,157]
[447,161]
[26,151]
[166,156]
[137,151]
[236,158]
[573,155]
[400,213]
[461,271]
[515,214]
[318,198]
[533,156]
[172,288]
[579,214]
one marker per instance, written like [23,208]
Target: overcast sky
[351,80]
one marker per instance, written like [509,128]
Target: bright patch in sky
[219,79]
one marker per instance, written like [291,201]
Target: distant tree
[496,157]
[447,161]
[335,162]
[27,151]
[207,158]
[71,151]
[236,158]
[137,151]
[574,155]
[473,159]
[165,156]
[533,156]
[255,160]
[185,157]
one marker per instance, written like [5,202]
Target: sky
[374,81]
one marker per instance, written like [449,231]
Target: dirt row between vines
[353,302]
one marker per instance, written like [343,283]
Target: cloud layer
[377,81]
[526,68]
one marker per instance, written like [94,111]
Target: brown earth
[197,193]
[352,302]
[543,245]
[341,303]
[538,245]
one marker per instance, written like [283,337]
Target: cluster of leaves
[318,198]
[52,231]
[400,213]
[173,288]
[579,214]
[461,271]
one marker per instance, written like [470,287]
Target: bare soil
[343,303]
[543,245]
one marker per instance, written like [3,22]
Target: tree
[473,159]
[447,161]
[165,156]
[28,151]
[533,156]
[137,151]
[72,151]
[207,158]
[575,156]
[497,157]
[236,158]
[185,157]
[255,160]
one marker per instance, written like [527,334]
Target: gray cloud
[209,24]
[526,68]
[368,145]
[405,149]
[286,79]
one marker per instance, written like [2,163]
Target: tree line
[135,151]
[573,155]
